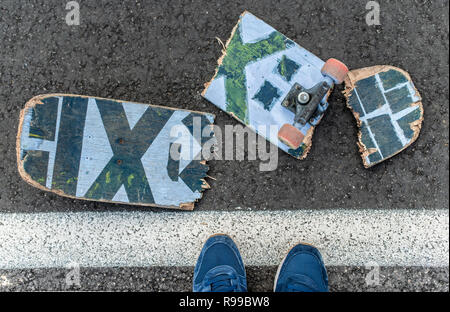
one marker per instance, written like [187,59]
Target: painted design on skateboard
[388,109]
[114,151]
[259,69]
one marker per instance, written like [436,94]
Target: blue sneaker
[219,267]
[302,270]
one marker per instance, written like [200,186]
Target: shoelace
[224,283]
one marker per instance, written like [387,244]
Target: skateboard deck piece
[113,151]
[388,110]
[256,72]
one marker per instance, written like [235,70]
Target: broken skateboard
[113,151]
[388,110]
[266,80]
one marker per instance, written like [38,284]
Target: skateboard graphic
[113,151]
[265,79]
[388,109]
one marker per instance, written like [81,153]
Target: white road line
[123,239]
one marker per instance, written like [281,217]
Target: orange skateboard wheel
[290,136]
[335,69]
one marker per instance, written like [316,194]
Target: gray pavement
[162,52]
[260,278]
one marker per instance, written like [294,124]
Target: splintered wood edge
[224,53]
[27,178]
[307,140]
[359,74]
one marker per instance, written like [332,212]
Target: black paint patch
[125,167]
[43,122]
[192,120]
[173,164]
[399,99]
[365,137]
[405,121]
[355,105]
[369,144]
[370,94]
[36,165]
[385,135]
[392,78]
[267,95]
[375,157]
[193,174]
[297,152]
[287,67]
[70,140]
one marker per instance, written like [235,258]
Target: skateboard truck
[304,102]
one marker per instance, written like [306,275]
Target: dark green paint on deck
[193,175]
[297,152]
[365,137]
[267,95]
[287,67]
[35,164]
[354,103]
[405,122]
[70,140]
[369,144]
[399,99]
[200,122]
[385,135]
[238,55]
[43,122]
[375,157]
[392,78]
[125,167]
[370,94]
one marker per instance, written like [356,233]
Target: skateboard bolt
[121,141]
[119,161]
[303,97]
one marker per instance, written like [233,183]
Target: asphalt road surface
[162,52]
